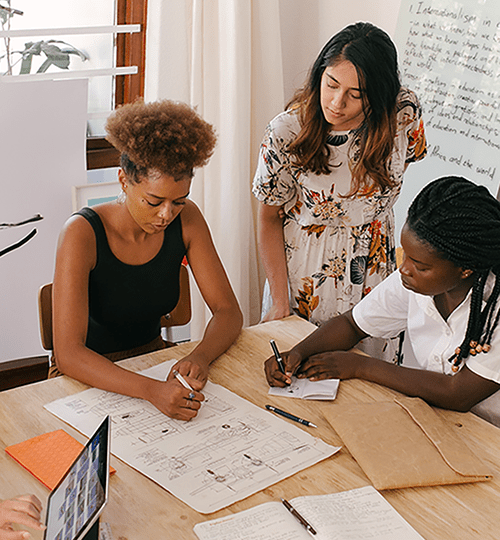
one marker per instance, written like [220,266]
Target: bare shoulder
[77,229]
[77,241]
[193,221]
[191,213]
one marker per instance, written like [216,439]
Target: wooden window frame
[130,51]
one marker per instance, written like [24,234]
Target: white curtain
[224,58]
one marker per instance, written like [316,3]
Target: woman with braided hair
[445,296]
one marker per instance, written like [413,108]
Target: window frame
[130,51]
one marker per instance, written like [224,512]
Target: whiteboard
[449,54]
[42,155]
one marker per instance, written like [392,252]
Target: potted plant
[57,53]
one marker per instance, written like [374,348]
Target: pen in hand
[277,355]
[297,516]
[184,383]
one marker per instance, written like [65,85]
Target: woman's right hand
[275,377]
[172,399]
[277,312]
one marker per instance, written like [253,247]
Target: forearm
[89,367]
[338,334]
[272,253]
[220,333]
[170,397]
[438,389]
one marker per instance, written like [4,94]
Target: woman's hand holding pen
[326,365]
[194,367]
[174,399]
[291,361]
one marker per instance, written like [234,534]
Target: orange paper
[47,457]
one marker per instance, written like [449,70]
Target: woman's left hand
[330,365]
[24,510]
[195,368]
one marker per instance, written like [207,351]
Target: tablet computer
[74,505]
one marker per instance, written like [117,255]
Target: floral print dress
[337,248]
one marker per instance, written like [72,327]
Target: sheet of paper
[357,514]
[266,521]
[306,389]
[231,450]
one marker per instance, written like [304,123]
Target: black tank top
[126,301]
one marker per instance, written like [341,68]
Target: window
[130,51]
[97,51]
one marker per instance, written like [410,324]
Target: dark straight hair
[373,54]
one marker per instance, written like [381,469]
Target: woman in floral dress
[330,170]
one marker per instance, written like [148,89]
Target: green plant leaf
[52,50]
[26,64]
[32,48]
[61,62]
[57,56]
[70,49]
[45,66]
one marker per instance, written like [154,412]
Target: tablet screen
[77,501]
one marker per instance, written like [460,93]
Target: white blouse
[390,308]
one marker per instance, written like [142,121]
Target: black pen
[290,416]
[277,355]
[297,516]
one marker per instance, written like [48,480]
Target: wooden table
[139,509]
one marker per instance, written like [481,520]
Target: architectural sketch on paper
[231,450]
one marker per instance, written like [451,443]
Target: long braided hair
[461,221]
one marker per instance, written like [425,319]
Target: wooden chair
[180,315]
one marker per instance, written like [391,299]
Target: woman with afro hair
[445,296]
[117,264]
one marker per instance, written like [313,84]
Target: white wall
[306,25]
[42,140]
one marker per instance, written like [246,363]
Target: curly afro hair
[165,136]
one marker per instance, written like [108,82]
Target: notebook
[306,389]
[37,456]
[358,514]
[75,504]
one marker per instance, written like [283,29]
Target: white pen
[184,383]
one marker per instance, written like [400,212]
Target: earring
[121,197]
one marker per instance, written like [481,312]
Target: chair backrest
[45,315]
[180,315]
